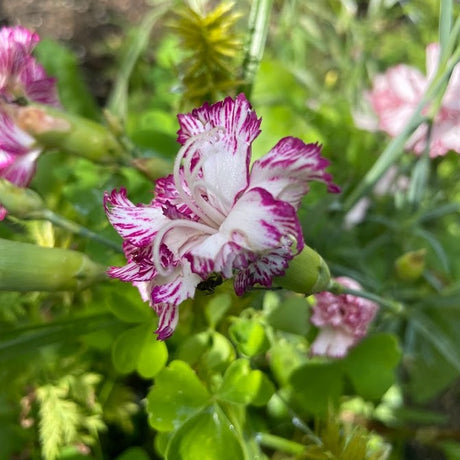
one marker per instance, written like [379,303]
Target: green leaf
[209,435]
[242,385]
[194,347]
[177,395]
[137,349]
[61,63]
[371,365]
[291,316]
[216,308]
[134,453]
[220,354]
[124,302]
[249,336]
[317,386]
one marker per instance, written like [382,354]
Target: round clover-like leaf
[208,435]
[371,365]
[177,395]
[242,385]
[249,336]
[137,349]
[317,386]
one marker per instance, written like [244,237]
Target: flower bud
[307,273]
[410,266]
[27,267]
[53,128]
[19,201]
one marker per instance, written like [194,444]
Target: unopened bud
[19,201]
[53,128]
[27,267]
[410,266]
[307,273]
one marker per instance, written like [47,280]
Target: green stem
[73,227]
[337,288]
[280,444]
[259,18]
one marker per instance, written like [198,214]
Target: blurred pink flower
[22,79]
[343,320]
[396,93]
[215,214]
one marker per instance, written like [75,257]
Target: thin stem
[280,444]
[259,18]
[337,288]
[73,227]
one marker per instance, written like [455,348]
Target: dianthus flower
[343,320]
[397,92]
[22,79]
[215,214]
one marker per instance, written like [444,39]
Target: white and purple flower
[22,78]
[397,92]
[343,320]
[215,213]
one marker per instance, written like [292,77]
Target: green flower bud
[410,266]
[307,273]
[53,128]
[19,201]
[27,267]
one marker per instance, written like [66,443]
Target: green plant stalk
[73,227]
[55,129]
[395,148]
[27,267]
[259,18]
[118,99]
[280,444]
[392,305]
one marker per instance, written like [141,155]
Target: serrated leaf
[177,395]
[371,365]
[242,385]
[208,435]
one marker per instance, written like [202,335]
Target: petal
[332,342]
[286,170]
[138,224]
[256,225]
[236,116]
[168,318]
[262,270]
[23,169]
[259,222]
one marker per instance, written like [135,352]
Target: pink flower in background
[22,79]
[215,214]
[395,95]
[343,320]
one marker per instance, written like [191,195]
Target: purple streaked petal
[168,318]
[286,170]
[259,222]
[138,224]
[22,170]
[236,116]
[263,269]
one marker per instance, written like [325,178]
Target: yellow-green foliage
[69,413]
[212,49]
[343,442]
